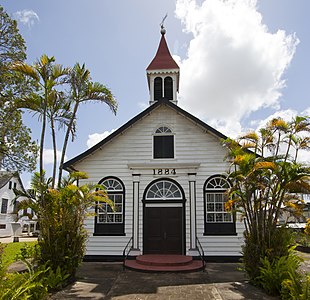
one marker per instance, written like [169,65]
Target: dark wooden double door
[163,230]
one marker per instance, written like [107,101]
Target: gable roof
[4,179]
[68,165]
[6,176]
[163,58]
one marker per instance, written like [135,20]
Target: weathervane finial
[162,28]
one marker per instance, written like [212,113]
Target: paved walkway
[221,281]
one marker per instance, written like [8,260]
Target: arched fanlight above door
[164,190]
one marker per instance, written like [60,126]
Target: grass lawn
[12,249]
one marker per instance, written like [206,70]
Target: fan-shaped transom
[164,190]
[112,184]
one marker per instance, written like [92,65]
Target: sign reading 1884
[164,172]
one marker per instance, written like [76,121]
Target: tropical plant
[274,273]
[296,288]
[61,219]
[17,150]
[267,181]
[27,285]
[83,90]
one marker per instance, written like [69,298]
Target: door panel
[163,230]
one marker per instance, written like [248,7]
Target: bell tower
[163,73]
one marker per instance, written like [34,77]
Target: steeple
[163,73]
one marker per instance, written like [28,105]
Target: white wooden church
[165,170]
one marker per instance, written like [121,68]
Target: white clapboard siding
[193,145]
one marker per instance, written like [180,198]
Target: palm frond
[265,165]
[26,70]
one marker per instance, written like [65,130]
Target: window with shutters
[163,143]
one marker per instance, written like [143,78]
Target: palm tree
[58,112]
[266,182]
[82,89]
[47,75]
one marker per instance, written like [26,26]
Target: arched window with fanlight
[107,220]
[218,221]
[163,143]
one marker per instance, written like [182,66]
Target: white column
[151,89]
[192,198]
[135,229]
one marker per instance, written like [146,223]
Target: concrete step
[164,263]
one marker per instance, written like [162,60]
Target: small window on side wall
[108,221]
[217,220]
[163,143]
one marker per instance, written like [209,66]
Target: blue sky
[237,68]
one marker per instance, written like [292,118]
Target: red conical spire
[163,58]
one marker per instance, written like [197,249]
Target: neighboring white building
[165,170]
[8,182]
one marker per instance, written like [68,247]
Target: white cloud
[234,65]
[95,138]
[48,156]
[27,17]
[286,115]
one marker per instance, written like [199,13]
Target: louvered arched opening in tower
[158,88]
[168,88]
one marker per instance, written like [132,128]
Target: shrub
[275,273]
[296,289]
[277,245]
[26,285]
[61,213]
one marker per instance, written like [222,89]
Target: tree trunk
[54,151]
[66,139]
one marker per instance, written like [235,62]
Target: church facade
[165,171]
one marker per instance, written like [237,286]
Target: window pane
[227,217]
[210,217]
[219,217]
[219,198]
[110,218]
[210,207]
[118,208]
[118,218]
[102,218]
[118,198]
[219,207]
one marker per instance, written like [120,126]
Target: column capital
[192,176]
[136,177]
